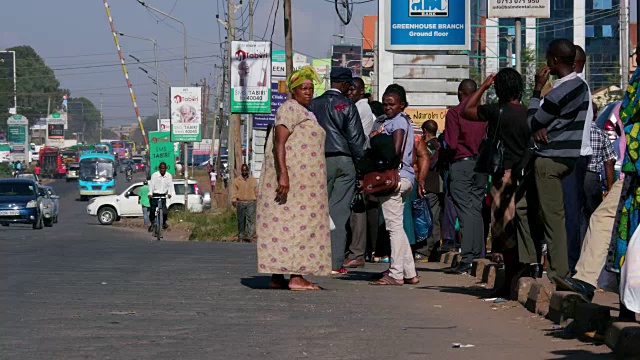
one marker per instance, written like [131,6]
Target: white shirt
[161,184]
[585,149]
[366,115]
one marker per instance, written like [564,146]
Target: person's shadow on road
[256,282]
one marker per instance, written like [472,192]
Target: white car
[113,207]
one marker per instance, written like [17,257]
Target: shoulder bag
[491,155]
[379,183]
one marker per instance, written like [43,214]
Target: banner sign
[251,77]
[17,126]
[165,125]
[161,149]
[420,115]
[519,8]
[186,114]
[428,25]
[277,99]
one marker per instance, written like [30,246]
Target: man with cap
[344,150]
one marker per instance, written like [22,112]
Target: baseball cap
[340,74]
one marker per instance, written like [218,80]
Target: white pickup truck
[113,207]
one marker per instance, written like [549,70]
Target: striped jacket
[563,113]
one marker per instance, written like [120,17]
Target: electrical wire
[275,17]
[273,3]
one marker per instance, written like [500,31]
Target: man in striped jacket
[557,126]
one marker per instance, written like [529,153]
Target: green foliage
[5,170]
[86,121]
[209,226]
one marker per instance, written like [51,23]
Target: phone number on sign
[186,129]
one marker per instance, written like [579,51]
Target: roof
[18,180]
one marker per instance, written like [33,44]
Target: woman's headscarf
[297,78]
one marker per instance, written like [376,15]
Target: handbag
[422,219]
[491,155]
[385,182]
[358,205]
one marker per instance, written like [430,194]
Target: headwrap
[297,78]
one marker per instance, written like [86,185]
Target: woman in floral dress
[292,209]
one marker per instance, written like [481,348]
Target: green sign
[161,150]
[17,134]
[55,115]
[17,117]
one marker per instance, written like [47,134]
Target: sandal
[310,287]
[413,281]
[387,280]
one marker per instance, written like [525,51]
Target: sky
[74,38]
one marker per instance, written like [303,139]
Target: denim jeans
[145,215]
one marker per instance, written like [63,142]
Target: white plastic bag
[630,275]
[332,226]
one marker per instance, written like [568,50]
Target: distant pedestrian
[37,170]
[244,195]
[213,177]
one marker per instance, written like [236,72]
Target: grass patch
[5,170]
[215,225]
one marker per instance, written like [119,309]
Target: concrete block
[443,258]
[477,267]
[562,306]
[624,339]
[591,317]
[448,257]
[495,276]
[456,259]
[524,286]
[540,296]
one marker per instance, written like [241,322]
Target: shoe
[384,260]
[165,227]
[341,271]
[446,246]
[580,287]
[420,258]
[150,229]
[353,263]
[462,268]
[535,270]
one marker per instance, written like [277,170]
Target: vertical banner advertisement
[428,25]
[186,114]
[251,77]
[56,123]
[161,149]
[17,126]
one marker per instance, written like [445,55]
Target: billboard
[165,125]
[161,149]
[17,126]
[55,131]
[279,63]
[427,25]
[186,114]
[348,56]
[261,121]
[251,77]
[519,9]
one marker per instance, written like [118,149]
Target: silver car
[49,205]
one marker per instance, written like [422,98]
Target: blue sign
[428,25]
[277,99]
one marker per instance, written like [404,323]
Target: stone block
[540,296]
[448,257]
[562,306]
[591,317]
[624,339]
[477,267]
[524,286]
[443,258]
[456,259]
[495,276]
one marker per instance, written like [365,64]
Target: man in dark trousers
[467,186]
[344,150]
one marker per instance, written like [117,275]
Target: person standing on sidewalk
[467,186]
[244,194]
[344,151]
[143,200]
[358,220]
[558,126]
[433,191]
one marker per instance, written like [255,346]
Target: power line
[275,17]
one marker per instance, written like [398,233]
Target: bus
[119,148]
[131,147]
[103,147]
[97,175]
[51,164]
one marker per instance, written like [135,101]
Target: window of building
[590,31]
[607,31]
[511,31]
[602,4]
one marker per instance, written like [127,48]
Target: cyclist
[161,184]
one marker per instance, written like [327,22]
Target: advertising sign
[17,126]
[428,25]
[519,8]
[186,114]
[251,77]
[55,131]
[279,63]
[348,56]
[165,125]
[161,149]
[420,115]
[277,99]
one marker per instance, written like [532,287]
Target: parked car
[113,207]
[139,162]
[73,171]
[20,203]
[28,176]
[50,203]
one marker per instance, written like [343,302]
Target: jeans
[341,186]
[145,215]
[246,219]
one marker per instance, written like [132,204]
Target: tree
[35,83]
[84,117]
[149,123]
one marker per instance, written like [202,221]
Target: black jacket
[339,118]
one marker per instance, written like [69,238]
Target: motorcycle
[129,174]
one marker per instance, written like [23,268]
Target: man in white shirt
[161,183]
[356,94]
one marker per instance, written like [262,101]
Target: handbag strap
[496,133]
[404,145]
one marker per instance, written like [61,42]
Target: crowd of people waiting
[536,181]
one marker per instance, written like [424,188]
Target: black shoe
[578,286]
[535,270]
[446,246]
[462,268]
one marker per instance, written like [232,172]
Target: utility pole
[519,44]
[288,39]
[221,119]
[509,50]
[235,142]
[250,116]
[624,43]
[213,126]
[101,119]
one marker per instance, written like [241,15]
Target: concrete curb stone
[562,306]
[522,291]
[623,338]
[478,266]
[539,296]
[495,276]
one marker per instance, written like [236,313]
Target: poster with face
[251,77]
[186,114]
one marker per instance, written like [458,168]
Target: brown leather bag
[379,183]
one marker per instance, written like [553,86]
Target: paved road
[84,291]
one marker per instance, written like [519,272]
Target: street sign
[519,8]
[17,126]
[186,114]
[251,77]
[427,25]
[161,149]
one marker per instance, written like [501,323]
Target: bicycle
[159,216]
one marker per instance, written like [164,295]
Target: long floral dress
[294,237]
